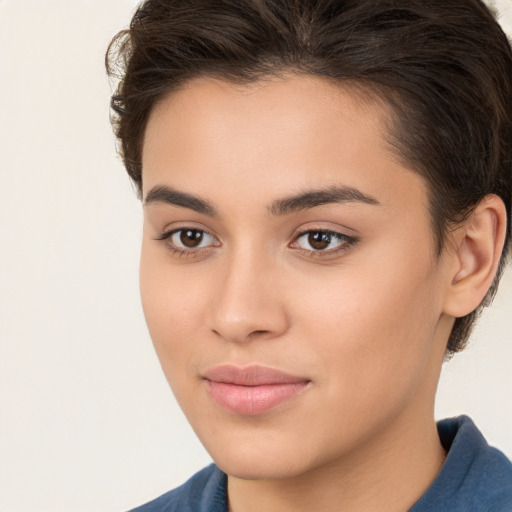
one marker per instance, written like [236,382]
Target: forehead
[273,137]
[204,107]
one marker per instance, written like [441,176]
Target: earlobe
[477,252]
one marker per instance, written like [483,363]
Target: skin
[365,320]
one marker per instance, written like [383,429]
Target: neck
[388,474]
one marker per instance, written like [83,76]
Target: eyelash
[346,243]
[166,238]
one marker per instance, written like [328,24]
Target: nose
[248,303]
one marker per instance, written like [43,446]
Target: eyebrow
[314,198]
[301,201]
[167,195]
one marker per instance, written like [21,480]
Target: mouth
[252,390]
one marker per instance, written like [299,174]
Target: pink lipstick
[251,390]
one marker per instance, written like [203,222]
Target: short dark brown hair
[444,67]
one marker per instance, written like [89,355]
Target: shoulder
[475,477]
[203,492]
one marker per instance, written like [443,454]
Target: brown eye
[319,240]
[191,237]
[323,242]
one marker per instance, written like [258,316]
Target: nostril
[238,336]
[256,333]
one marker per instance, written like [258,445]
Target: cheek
[172,306]
[172,309]
[373,328]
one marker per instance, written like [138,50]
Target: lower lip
[253,400]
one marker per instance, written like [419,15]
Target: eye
[323,241]
[191,238]
[188,240]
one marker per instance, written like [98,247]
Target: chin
[258,459]
[258,468]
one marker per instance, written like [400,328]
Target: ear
[478,245]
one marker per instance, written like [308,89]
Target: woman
[327,192]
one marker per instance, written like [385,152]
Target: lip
[252,390]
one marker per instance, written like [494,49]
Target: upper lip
[253,375]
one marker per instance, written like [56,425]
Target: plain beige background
[87,422]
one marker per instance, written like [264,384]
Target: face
[288,274]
